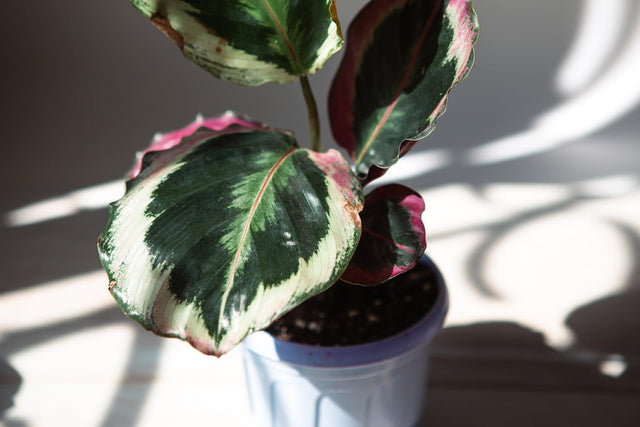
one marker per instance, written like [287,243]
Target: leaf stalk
[314,122]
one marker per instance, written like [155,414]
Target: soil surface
[348,314]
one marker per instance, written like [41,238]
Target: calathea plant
[228,223]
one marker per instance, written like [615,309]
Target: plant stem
[314,123]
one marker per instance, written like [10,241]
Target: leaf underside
[402,59]
[393,236]
[221,234]
[250,42]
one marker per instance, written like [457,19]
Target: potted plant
[227,224]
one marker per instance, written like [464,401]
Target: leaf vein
[385,239]
[275,19]
[245,231]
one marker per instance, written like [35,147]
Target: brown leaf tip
[162,23]
[354,213]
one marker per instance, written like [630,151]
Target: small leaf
[224,232]
[402,59]
[250,42]
[393,236]
[164,141]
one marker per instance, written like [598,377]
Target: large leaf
[402,59]
[250,42]
[393,235]
[221,234]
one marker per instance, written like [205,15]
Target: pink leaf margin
[359,36]
[342,90]
[165,141]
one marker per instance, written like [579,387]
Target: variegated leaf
[393,235]
[402,59]
[221,234]
[250,42]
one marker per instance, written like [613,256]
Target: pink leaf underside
[412,203]
[408,199]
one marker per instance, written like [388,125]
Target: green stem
[314,123]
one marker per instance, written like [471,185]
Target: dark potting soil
[348,314]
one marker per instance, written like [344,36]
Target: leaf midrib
[280,29]
[391,241]
[403,82]
[245,231]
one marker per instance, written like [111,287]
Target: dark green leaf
[402,59]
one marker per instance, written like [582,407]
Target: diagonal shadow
[14,342]
[137,381]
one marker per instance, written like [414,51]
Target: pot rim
[267,346]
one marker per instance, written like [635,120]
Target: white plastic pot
[379,384]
